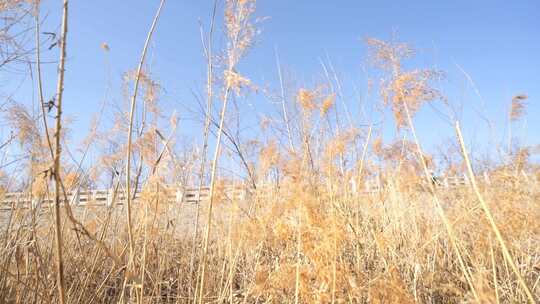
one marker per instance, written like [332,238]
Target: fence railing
[376,185]
[108,197]
[181,195]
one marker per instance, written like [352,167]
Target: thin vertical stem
[130,131]
[208,116]
[40,84]
[57,155]
[489,215]
[232,60]
[298,260]
[283,108]
[494,268]
[212,190]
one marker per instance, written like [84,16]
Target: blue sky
[496,42]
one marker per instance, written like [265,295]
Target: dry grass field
[305,232]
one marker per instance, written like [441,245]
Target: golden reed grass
[292,221]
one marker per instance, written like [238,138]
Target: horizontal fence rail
[109,197]
[181,195]
[376,185]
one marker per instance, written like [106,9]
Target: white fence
[375,185]
[108,197]
[193,195]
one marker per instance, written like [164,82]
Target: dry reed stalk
[442,213]
[334,239]
[283,107]
[144,251]
[76,223]
[358,178]
[226,283]
[40,82]
[298,260]
[212,191]
[129,140]
[329,101]
[130,271]
[506,253]
[57,154]
[340,91]
[207,120]
[494,270]
[44,120]
[237,15]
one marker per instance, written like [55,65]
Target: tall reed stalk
[240,12]
[57,156]
[131,258]
[207,120]
[506,252]
[130,132]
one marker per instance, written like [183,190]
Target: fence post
[36,202]
[109,197]
[75,199]
[179,196]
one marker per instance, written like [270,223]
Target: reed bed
[305,229]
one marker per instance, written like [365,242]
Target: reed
[311,205]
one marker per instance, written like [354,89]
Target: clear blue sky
[496,42]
